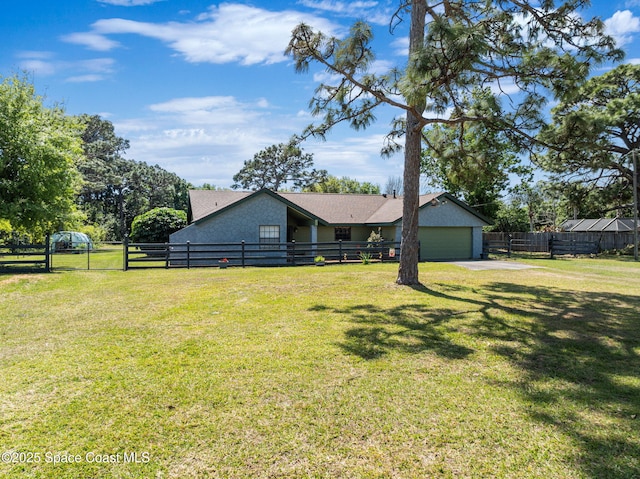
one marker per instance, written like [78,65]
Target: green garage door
[445,243]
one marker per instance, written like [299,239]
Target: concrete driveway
[488,264]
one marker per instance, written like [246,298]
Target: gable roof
[202,203]
[327,208]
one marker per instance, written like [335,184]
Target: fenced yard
[128,255]
[187,255]
[565,243]
[323,372]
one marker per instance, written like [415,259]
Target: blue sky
[198,87]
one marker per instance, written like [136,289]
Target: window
[343,233]
[269,234]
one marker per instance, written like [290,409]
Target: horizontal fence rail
[554,244]
[188,255]
[539,242]
[560,247]
[25,257]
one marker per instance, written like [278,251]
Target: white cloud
[40,67]
[218,111]
[91,40]
[85,78]
[622,25]
[204,139]
[44,63]
[36,54]
[226,33]
[181,105]
[369,10]
[401,46]
[129,3]
[207,139]
[505,87]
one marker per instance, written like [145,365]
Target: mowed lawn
[332,372]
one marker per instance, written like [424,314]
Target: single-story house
[448,228]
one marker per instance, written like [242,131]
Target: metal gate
[108,255]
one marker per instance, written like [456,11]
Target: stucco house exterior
[449,229]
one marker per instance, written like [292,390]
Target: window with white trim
[269,236]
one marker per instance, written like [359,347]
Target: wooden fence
[554,244]
[188,255]
[25,257]
[539,242]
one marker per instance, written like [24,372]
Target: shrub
[96,232]
[156,225]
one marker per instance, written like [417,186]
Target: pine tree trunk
[408,270]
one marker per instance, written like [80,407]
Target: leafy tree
[472,160]
[510,217]
[454,46]
[39,149]
[156,225]
[278,165]
[593,133]
[101,196]
[207,186]
[115,189]
[546,205]
[333,184]
[582,200]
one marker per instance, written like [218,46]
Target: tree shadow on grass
[580,355]
[410,328]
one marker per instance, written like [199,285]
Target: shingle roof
[349,208]
[339,209]
[205,202]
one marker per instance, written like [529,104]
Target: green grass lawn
[331,372]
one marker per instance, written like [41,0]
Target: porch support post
[314,238]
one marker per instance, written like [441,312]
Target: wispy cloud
[228,33]
[129,3]
[207,139]
[45,64]
[91,40]
[209,111]
[369,10]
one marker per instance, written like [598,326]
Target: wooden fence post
[339,250]
[47,253]
[188,254]
[125,253]
[243,245]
